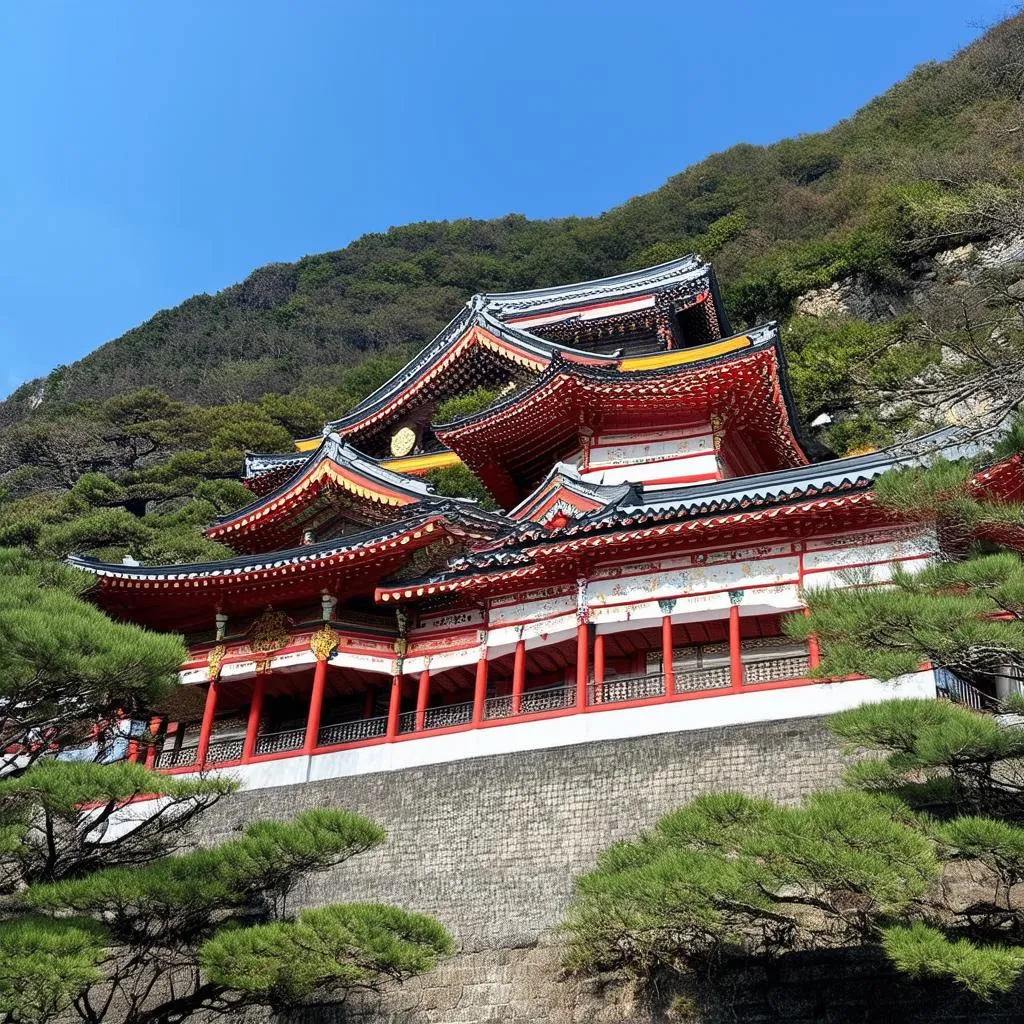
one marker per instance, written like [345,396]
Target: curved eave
[465,524]
[333,463]
[563,478]
[539,564]
[471,327]
[504,442]
[619,286]
[660,366]
[243,569]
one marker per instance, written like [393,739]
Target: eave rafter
[336,485]
[740,380]
[541,564]
[183,595]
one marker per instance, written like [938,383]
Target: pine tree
[107,909]
[875,864]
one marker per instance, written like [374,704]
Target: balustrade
[532,702]
[448,716]
[176,758]
[278,742]
[552,698]
[768,671]
[617,689]
[498,707]
[352,732]
[650,686]
[703,679]
[224,750]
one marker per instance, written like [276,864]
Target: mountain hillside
[870,196]
[865,239]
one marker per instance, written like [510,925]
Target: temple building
[662,514]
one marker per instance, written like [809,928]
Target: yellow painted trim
[422,463]
[308,444]
[686,355]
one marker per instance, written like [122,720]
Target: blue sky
[154,150]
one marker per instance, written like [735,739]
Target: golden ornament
[403,441]
[213,660]
[322,642]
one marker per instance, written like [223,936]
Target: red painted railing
[553,701]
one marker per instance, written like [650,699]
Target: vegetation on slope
[927,162]
[932,164]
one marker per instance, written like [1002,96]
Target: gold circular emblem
[403,441]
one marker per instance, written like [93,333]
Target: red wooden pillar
[582,665]
[422,696]
[813,651]
[598,667]
[207,725]
[132,753]
[666,655]
[368,702]
[154,729]
[394,706]
[252,726]
[735,651]
[316,706]
[518,677]
[480,689]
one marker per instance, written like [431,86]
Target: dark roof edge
[450,508]
[332,447]
[641,278]
[771,338]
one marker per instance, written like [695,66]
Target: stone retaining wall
[490,847]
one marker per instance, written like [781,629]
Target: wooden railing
[278,742]
[352,732]
[176,758]
[616,690]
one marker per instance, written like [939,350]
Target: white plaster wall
[706,466]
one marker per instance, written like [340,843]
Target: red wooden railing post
[316,705]
[518,677]
[252,726]
[666,655]
[422,696]
[394,706]
[735,650]
[480,689]
[206,727]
